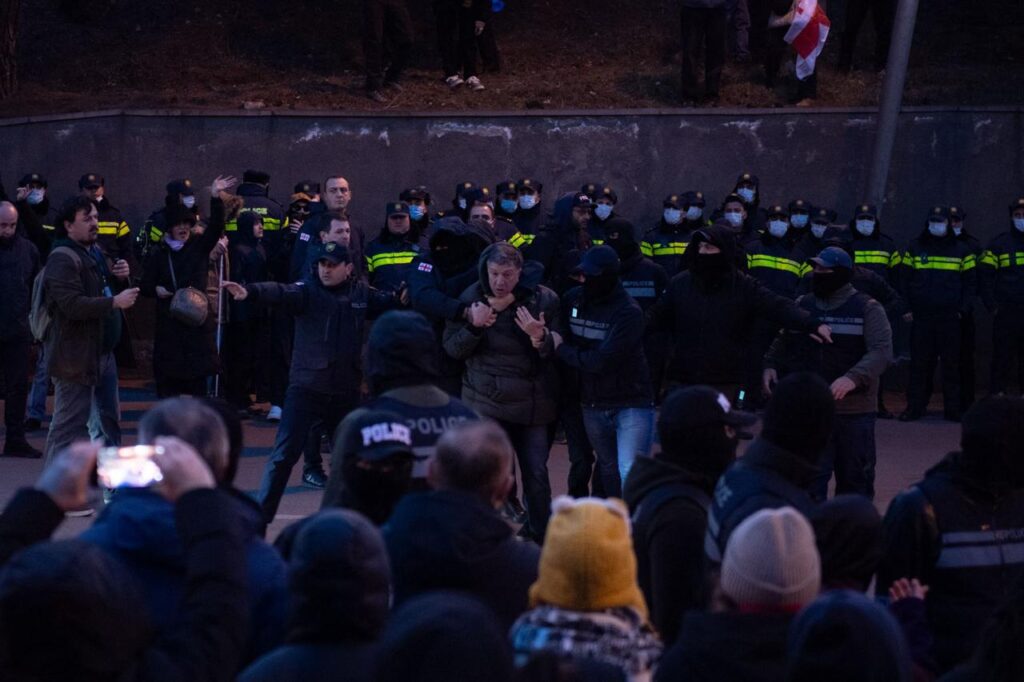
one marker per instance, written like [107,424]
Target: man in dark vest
[852,364]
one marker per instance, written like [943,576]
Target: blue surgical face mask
[672,216]
[735,218]
[747,194]
[174,244]
[36,196]
[462,203]
[777,228]
[416,212]
[958,230]
[527,201]
[937,229]
[799,220]
[865,226]
[1018,224]
[509,205]
[602,211]
[188,201]
[694,213]
[818,230]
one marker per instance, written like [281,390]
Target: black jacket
[738,647]
[115,236]
[19,265]
[390,258]
[877,252]
[603,343]
[775,263]
[669,540]
[938,275]
[38,224]
[248,260]
[666,245]
[1002,271]
[961,534]
[643,279]
[449,540]
[559,246]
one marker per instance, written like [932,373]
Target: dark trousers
[386,26]
[456,41]
[882,12]
[1007,346]
[532,445]
[282,329]
[302,409]
[703,31]
[490,56]
[968,332]
[14,364]
[581,455]
[935,336]
[240,358]
[850,454]
[775,52]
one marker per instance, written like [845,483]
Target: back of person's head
[991,435]
[69,611]
[845,637]
[849,533]
[587,561]
[473,457]
[193,422]
[771,563]
[799,415]
[699,430]
[442,637]
[339,579]
[236,435]
[402,351]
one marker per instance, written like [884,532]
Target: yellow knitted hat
[587,563]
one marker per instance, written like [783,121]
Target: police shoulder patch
[304,237]
[425,267]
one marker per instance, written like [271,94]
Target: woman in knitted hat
[586,603]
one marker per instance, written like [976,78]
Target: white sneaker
[474,84]
[274,414]
[453,82]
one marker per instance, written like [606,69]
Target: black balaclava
[824,284]
[374,488]
[712,267]
[598,287]
[799,415]
[705,450]
[624,243]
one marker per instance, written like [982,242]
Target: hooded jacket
[939,275]
[339,589]
[19,265]
[669,541]
[248,261]
[560,245]
[138,528]
[506,378]
[713,322]
[453,540]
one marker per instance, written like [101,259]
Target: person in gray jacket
[510,374]
[853,363]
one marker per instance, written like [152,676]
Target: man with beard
[853,364]
[560,245]
[712,309]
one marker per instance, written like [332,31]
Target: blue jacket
[138,528]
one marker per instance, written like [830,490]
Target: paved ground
[905,451]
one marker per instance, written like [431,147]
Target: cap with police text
[90,180]
[397,208]
[693,407]
[183,186]
[307,187]
[833,257]
[256,177]
[334,253]
[600,260]
[32,179]
[868,210]
[693,199]
[377,435]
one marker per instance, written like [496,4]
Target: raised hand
[531,325]
[222,184]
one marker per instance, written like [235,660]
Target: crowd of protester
[451,348]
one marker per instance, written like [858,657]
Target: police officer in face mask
[529,216]
[666,243]
[418,200]
[748,189]
[812,240]
[507,200]
[1002,290]
[771,258]
[37,220]
[604,199]
[871,248]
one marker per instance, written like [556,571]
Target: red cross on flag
[807,35]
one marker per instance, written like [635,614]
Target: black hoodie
[248,260]
[560,245]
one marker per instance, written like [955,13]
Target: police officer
[810,244]
[418,199]
[390,255]
[871,248]
[605,200]
[799,219]
[748,189]
[37,219]
[666,243]
[743,223]
[529,216]
[1002,288]
[772,259]
[460,204]
[939,282]
[507,193]
[179,193]
[968,329]
[254,191]
[115,236]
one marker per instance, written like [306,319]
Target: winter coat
[506,378]
[666,245]
[938,275]
[19,265]
[451,540]
[248,260]
[1002,271]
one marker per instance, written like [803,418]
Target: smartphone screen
[128,467]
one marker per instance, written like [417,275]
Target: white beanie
[771,560]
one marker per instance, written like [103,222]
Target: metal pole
[220,319]
[892,98]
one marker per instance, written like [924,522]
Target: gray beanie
[771,561]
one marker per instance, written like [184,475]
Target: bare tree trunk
[9,10]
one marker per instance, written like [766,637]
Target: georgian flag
[807,35]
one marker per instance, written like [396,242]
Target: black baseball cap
[777,210]
[506,187]
[673,201]
[866,210]
[183,186]
[307,187]
[334,253]
[90,180]
[418,193]
[463,187]
[747,179]
[1017,205]
[957,213]
[693,199]
[938,213]
[695,407]
[823,215]
[580,199]
[530,184]
[799,206]
[397,208]
[376,435]
[33,179]
[600,260]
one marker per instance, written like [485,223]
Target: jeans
[302,409]
[105,415]
[619,436]
[40,387]
[532,445]
[12,365]
[851,454]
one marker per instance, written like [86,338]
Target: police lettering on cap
[183,186]
[33,179]
[866,211]
[397,208]
[90,180]
[257,177]
[600,260]
[377,435]
[307,187]
[777,210]
[673,201]
[833,257]
[334,253]
[693,199]
[506,187]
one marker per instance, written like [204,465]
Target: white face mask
[36,196]
[937,229]
[527,201]
[777,228]
[602,211]
[747,194]
[735,218]
[672,216]
[799,220]
[866,227]
[174,244]
[1018,223]
[462,203]
[694,213]
[818,230]
[188,201]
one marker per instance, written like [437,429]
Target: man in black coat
[453,537]
[669,495]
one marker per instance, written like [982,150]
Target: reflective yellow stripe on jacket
[519,240]
[390,258]
[760,260]
[117,229]
[1002,260]
[886,258]
[663,249]
[940,262]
